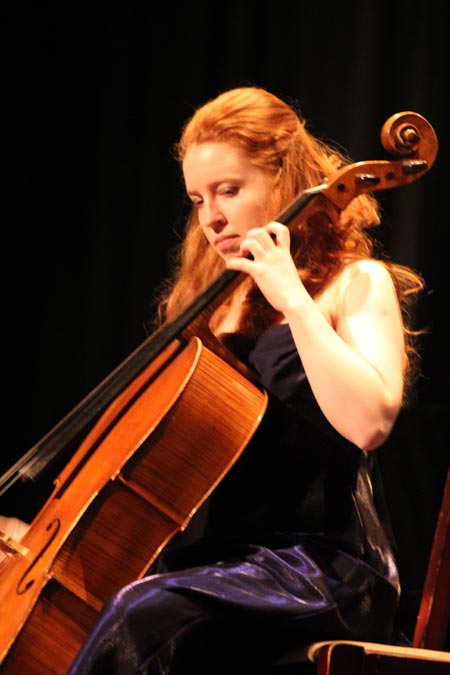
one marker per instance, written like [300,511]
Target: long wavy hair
[274,136]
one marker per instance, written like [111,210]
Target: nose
[212,216]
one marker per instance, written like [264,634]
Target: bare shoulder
[361,283]
[365,282]
[363,272]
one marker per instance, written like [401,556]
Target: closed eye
[229,190]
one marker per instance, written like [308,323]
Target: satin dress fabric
[290,548]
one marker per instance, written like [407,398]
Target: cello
[148,452]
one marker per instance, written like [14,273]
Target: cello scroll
[407,136]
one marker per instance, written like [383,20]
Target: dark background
[93,99]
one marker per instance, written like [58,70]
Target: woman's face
[229,193]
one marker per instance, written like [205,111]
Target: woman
[292,547]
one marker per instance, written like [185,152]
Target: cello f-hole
[23,586]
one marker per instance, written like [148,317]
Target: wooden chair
[427,654]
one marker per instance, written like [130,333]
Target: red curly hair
[273,135]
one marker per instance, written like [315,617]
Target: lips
[227,244]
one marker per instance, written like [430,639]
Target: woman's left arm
[355,365]
[351,345]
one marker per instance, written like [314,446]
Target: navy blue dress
[291,549]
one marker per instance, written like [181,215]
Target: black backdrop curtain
[94,96]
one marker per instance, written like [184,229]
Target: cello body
[137,479]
